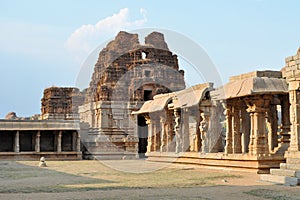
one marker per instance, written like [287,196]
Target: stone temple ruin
[137,106]
[125,76]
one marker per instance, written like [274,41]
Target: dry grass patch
[68,176]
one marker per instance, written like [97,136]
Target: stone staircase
[289,172]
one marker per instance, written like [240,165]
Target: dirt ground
[132,179]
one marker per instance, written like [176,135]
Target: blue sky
[44,43]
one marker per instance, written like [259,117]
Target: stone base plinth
[38,155]
[257,164]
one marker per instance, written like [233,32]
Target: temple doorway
[143,136]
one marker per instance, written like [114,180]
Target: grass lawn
[66,176]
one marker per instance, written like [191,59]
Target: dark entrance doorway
[143,136]
[148,95]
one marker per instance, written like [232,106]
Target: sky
[45,43]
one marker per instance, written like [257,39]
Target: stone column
[295,115]
[148,122]
[17,142]
[59,141]
[284,139]
[236,137]
[245,129]
[78,142]
[203,127]
[185,130]
[228,145]
[170,132]
[272,126]
[74,140]
[156,132]
[37,142]
[258,140]
[163,133]
[177,130]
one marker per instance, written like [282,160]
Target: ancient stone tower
[125,76]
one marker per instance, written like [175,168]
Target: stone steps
[291,166]
[286,180]
[285,172]
[293,161]
[289,172]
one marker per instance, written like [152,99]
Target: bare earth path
[136,179]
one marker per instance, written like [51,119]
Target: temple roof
[158,103]
[251,86]
[181,99]
[191,96]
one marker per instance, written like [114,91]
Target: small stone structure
[42,162]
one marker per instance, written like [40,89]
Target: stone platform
[244,162]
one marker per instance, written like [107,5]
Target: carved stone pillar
[17,142]
[59,141]
[74,141]
[245,129]
[177,130]
[236,137]
[228,145]
[272,127]
[156,130]
[163,133]
[284,139]
[185,130]
[37,141]
[78,142]
[258,139]
[294,115]
[149,124]
[170,132]
[203,127]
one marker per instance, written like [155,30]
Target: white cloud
[83,40]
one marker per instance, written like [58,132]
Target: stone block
[285,172]
[291,181]
[290,166]
[293,160]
